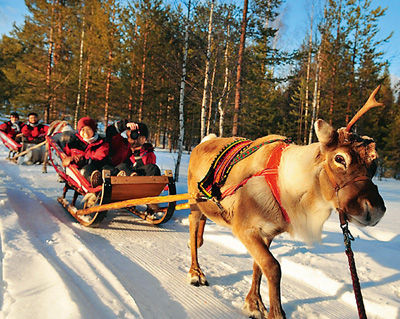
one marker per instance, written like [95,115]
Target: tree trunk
[335,65]
[300,126]
[49,67]
[206,74]
[182,97]
[318,93]
[108,86]
[110,62]
[315,97]
[78,97]
[58,44]
[350,89]
[225,90]
[211,98]
[143,77]
[306,99]
[239,70]
[132,82]
[87,78]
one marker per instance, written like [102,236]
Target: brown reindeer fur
[307,194]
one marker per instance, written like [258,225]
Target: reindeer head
[349,165]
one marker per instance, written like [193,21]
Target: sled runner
[12,145]
[157,194]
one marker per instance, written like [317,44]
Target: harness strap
[230,155]
[338,187]
[220,168]
[270,174]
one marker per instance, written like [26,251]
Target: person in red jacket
[13,127]
[141,160]
[87,151]
[33,131]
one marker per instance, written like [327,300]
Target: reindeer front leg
[196,226]
[270,267]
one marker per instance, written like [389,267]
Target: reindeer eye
[340,159]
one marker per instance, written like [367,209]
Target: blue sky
[296,21]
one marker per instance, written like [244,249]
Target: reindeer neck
[299,163]
[301,192]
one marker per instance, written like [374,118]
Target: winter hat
[87,121]
[15,114]
[141,131]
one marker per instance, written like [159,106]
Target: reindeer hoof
[276,313]
[255,309]
[197,279]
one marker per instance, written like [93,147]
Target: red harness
[270,174]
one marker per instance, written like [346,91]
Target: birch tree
[307,83]
[226,88]
[315,97]
[182,96]
[49,65]
[206,73]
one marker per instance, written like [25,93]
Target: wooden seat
[131,187]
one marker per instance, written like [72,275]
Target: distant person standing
[13,127]
[34,132]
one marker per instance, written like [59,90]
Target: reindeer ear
[370,150]
[326,133]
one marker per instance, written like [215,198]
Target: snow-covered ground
[52,267]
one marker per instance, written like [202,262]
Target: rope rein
[348,238]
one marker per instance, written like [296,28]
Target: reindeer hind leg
[196,276]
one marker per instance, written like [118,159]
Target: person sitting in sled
[141,159]
[34,132]
[119,146]
[13,127]
[87,151]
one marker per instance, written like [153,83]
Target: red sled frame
[12,145]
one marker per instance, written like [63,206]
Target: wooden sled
[116,192]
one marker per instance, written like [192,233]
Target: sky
[296,21]
[296,25]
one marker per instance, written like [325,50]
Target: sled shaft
[135,202]
[182,206]
[28,150]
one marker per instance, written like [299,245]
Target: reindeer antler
[371,102]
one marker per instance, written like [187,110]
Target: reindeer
[312,180]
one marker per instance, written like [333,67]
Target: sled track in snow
[126,255]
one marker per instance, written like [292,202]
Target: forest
[193,68]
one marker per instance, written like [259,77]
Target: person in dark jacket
[34,132]
[119,146]
[13,127]
[132,155]
[141,160]
[87,151]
